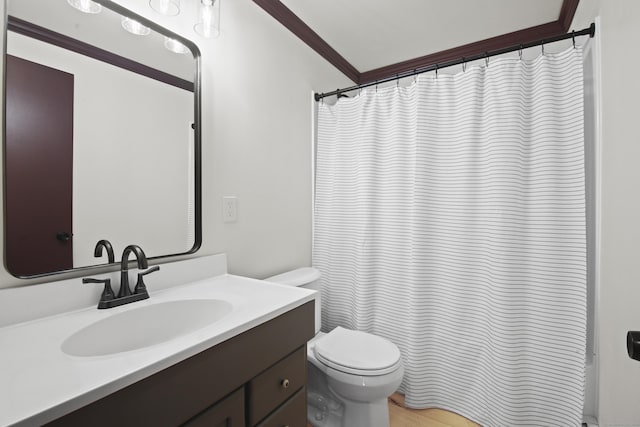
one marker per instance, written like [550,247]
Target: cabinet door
[229,412]
[293,413]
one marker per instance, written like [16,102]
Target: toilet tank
[306,277]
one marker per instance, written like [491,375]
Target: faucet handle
[140,286]
[107,293]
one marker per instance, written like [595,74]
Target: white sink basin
[145,326]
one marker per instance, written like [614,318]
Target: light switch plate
[229,208]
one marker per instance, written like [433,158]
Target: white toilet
[351,373]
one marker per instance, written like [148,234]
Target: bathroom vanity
[256,378]
[245,367]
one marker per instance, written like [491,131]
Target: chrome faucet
[125,296]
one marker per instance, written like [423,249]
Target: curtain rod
[590,31]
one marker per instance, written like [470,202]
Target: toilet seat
[356,352]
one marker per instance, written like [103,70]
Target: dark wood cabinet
[257,378]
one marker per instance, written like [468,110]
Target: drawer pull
[285,383]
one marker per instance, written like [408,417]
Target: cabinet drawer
[271,388]
[228,412]
[292,414]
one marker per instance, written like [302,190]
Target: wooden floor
[405,417]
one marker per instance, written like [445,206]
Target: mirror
[101,138]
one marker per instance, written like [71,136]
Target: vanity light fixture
[166,7]
[208,23]
[175,46]
[209,19]
[86,6]
[134,27]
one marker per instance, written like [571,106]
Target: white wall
[257,84]
[619,282]
[258,80]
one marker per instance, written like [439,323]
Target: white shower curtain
[450,219]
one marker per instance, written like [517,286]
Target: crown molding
[291,21]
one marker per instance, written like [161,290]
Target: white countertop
[39,382]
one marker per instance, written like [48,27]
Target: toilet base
[324,408]
[366,414]
[327,408]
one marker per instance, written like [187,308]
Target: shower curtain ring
[542,47]
[486,59]
[573,37]
[397,81]
[520,52]
[415,75]
[436,71]
[464,65]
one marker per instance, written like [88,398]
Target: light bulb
[175,46]
[86,6]
[209,19]
[134,27]
[166,7]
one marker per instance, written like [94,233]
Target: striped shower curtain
[450,219]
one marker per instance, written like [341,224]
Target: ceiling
[372,39]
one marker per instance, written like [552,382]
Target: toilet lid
[357,352]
